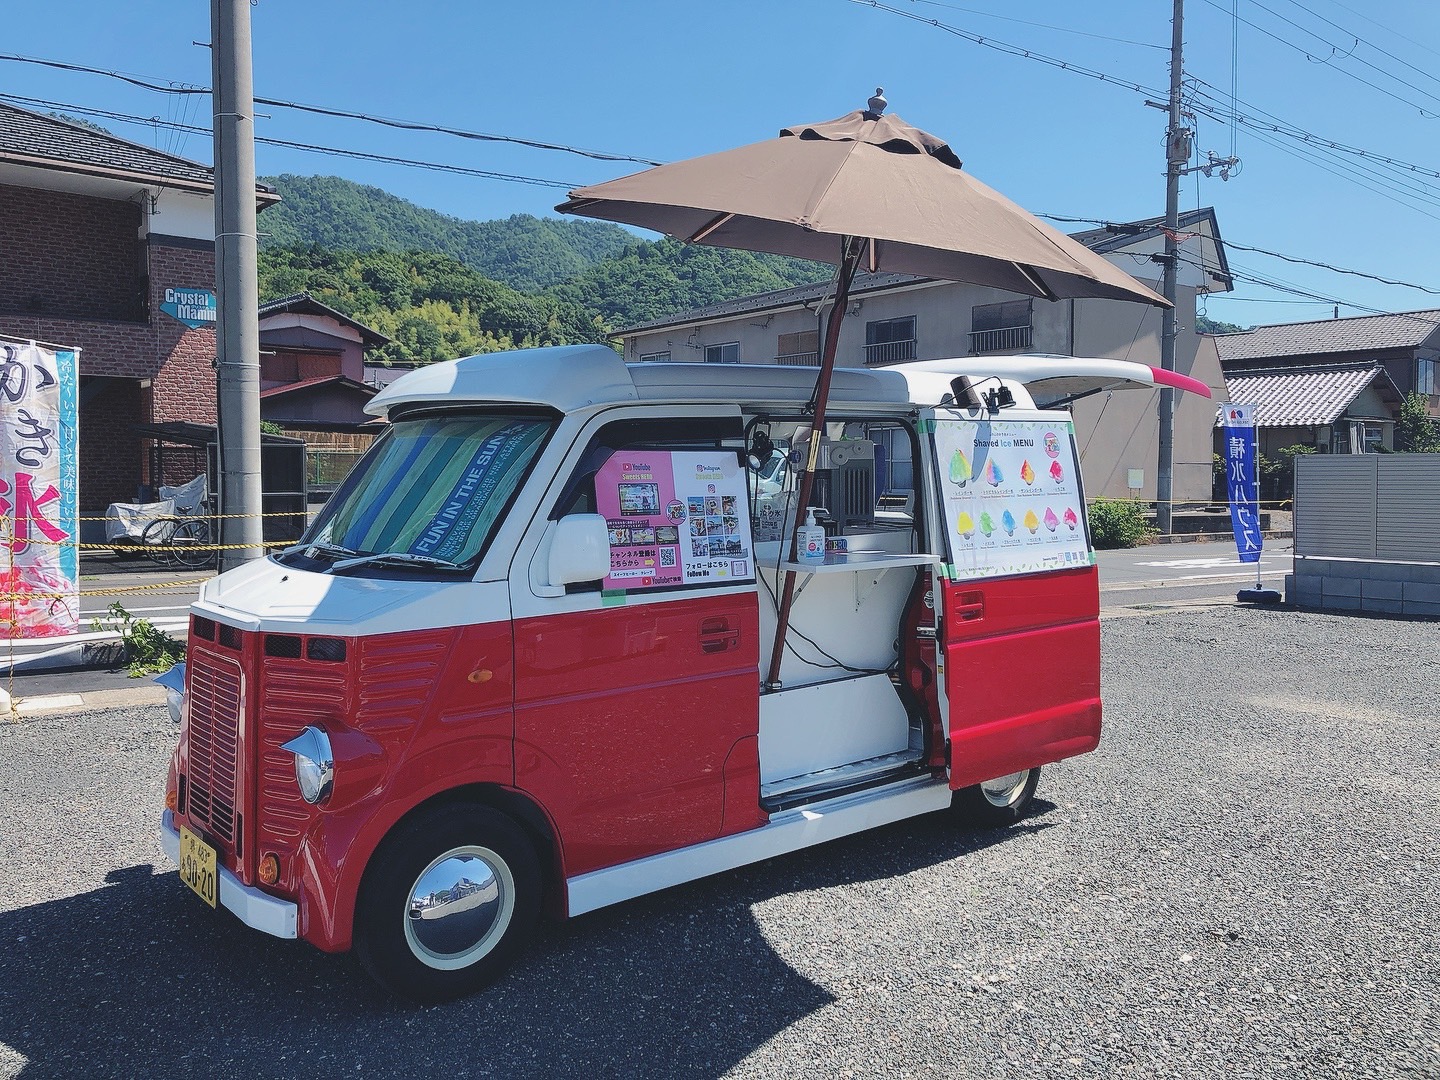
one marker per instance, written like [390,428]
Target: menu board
[1012,498]
[675,518]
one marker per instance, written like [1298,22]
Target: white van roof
[571,377]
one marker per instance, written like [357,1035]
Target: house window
[799,349]
[890,341]
[1425,377]
[1000,327]
[728,353]
[655,358]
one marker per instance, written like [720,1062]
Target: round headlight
[314,764]
[174,683]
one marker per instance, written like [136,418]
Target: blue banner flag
[1241,482]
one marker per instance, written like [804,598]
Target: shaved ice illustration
[1056,472]
[959,469]
[1007,519]
[1051,521]
[1031,521]
[1070,519]
[993,476]
[987,523]
[964,525]
[1027,473]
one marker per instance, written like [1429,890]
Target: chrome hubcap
[1005,790]
[459,907]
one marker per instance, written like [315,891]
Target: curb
[23,708]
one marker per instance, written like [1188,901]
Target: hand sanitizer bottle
[811,539]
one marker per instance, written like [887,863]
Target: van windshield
[432,488]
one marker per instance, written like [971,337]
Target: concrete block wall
[1379,588]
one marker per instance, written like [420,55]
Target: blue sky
[674,79]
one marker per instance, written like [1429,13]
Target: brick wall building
[93,231]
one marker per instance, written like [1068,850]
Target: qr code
[667,556]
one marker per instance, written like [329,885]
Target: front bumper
[256,909]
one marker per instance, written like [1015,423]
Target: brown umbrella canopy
[868,176]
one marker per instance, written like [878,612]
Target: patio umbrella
[865,190]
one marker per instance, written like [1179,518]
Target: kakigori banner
[1012,497]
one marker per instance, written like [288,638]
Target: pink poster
[674,518]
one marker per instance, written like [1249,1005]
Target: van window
[673,495]
[433,486]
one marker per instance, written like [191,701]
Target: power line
[1012,50]
[322,110]
[1363,41]
[1043,26]
[1121,227]
[333,151]
[1428,113]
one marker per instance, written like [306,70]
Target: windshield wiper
[335,551]
[395,558]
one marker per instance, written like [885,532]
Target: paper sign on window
[675,518]
[1011,497]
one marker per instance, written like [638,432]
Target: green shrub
[1116,523]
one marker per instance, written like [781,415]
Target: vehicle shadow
[140,978]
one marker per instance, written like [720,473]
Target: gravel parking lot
[1242,881]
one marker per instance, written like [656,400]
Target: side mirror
[579,550]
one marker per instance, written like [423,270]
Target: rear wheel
[1000,801]
[190,544]
[447,902]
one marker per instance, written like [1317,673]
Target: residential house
[895,318]
[1334,384]
[312,369]
[96,235]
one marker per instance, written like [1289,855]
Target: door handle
[718,635]
[969,607]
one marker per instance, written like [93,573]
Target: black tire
[155,539]
[993,803]
[189,545]
[407,952]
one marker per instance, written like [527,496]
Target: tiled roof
[1361,333]
[1317,395]
[304,303]
[31,138]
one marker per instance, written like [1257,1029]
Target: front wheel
[447,903]
[1000,801]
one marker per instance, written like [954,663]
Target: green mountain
[434,307]
[443,287]
[655,278]
[526,253]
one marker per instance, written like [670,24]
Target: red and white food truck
[517,664]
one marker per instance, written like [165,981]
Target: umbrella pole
[852,247]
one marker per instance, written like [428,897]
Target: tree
[1416,432]
[1205,325]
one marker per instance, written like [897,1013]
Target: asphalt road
[1242,881]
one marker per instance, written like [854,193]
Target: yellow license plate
[197,865]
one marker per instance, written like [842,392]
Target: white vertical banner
[39,491]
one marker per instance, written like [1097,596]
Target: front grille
[212,769]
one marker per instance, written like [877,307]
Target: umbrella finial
[876,105]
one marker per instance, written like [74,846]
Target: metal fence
[327,468]
[998,340]
[1368,506]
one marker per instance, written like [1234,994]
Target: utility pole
[1177,154]
[237,316]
